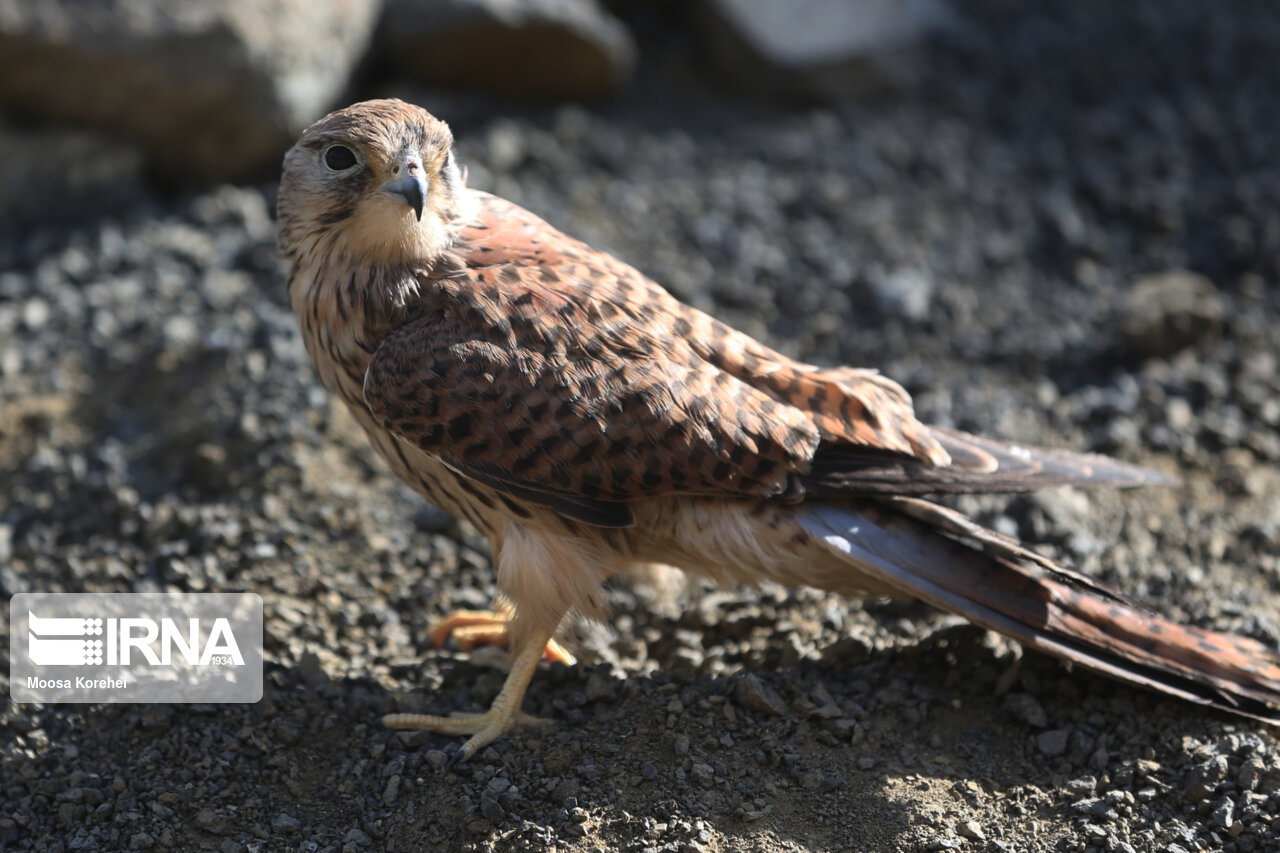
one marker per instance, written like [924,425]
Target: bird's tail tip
[939,556]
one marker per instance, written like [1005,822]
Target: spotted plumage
[587,421]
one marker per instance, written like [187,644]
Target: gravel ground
[160,428]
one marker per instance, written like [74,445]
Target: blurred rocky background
[1053,220]
[98,96]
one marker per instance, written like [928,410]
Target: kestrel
[587,421]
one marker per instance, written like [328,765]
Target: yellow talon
[503,716]
[471,628]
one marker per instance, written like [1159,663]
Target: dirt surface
[977,238]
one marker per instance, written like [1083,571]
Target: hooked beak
[409,189]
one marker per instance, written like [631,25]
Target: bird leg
[503,716]
[471,628]
[545,577]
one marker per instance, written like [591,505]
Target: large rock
[214,91]
[818,48]
[537,48]
[49,175]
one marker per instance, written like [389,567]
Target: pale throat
[387,234]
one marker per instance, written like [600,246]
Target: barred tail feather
[1001,586]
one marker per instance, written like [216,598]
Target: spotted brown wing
[517,385]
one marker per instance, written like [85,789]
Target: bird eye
[339,158]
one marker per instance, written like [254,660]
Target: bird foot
[484,728]
[471,628]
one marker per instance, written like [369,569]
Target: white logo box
[135,647]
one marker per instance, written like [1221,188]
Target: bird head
[377,181]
